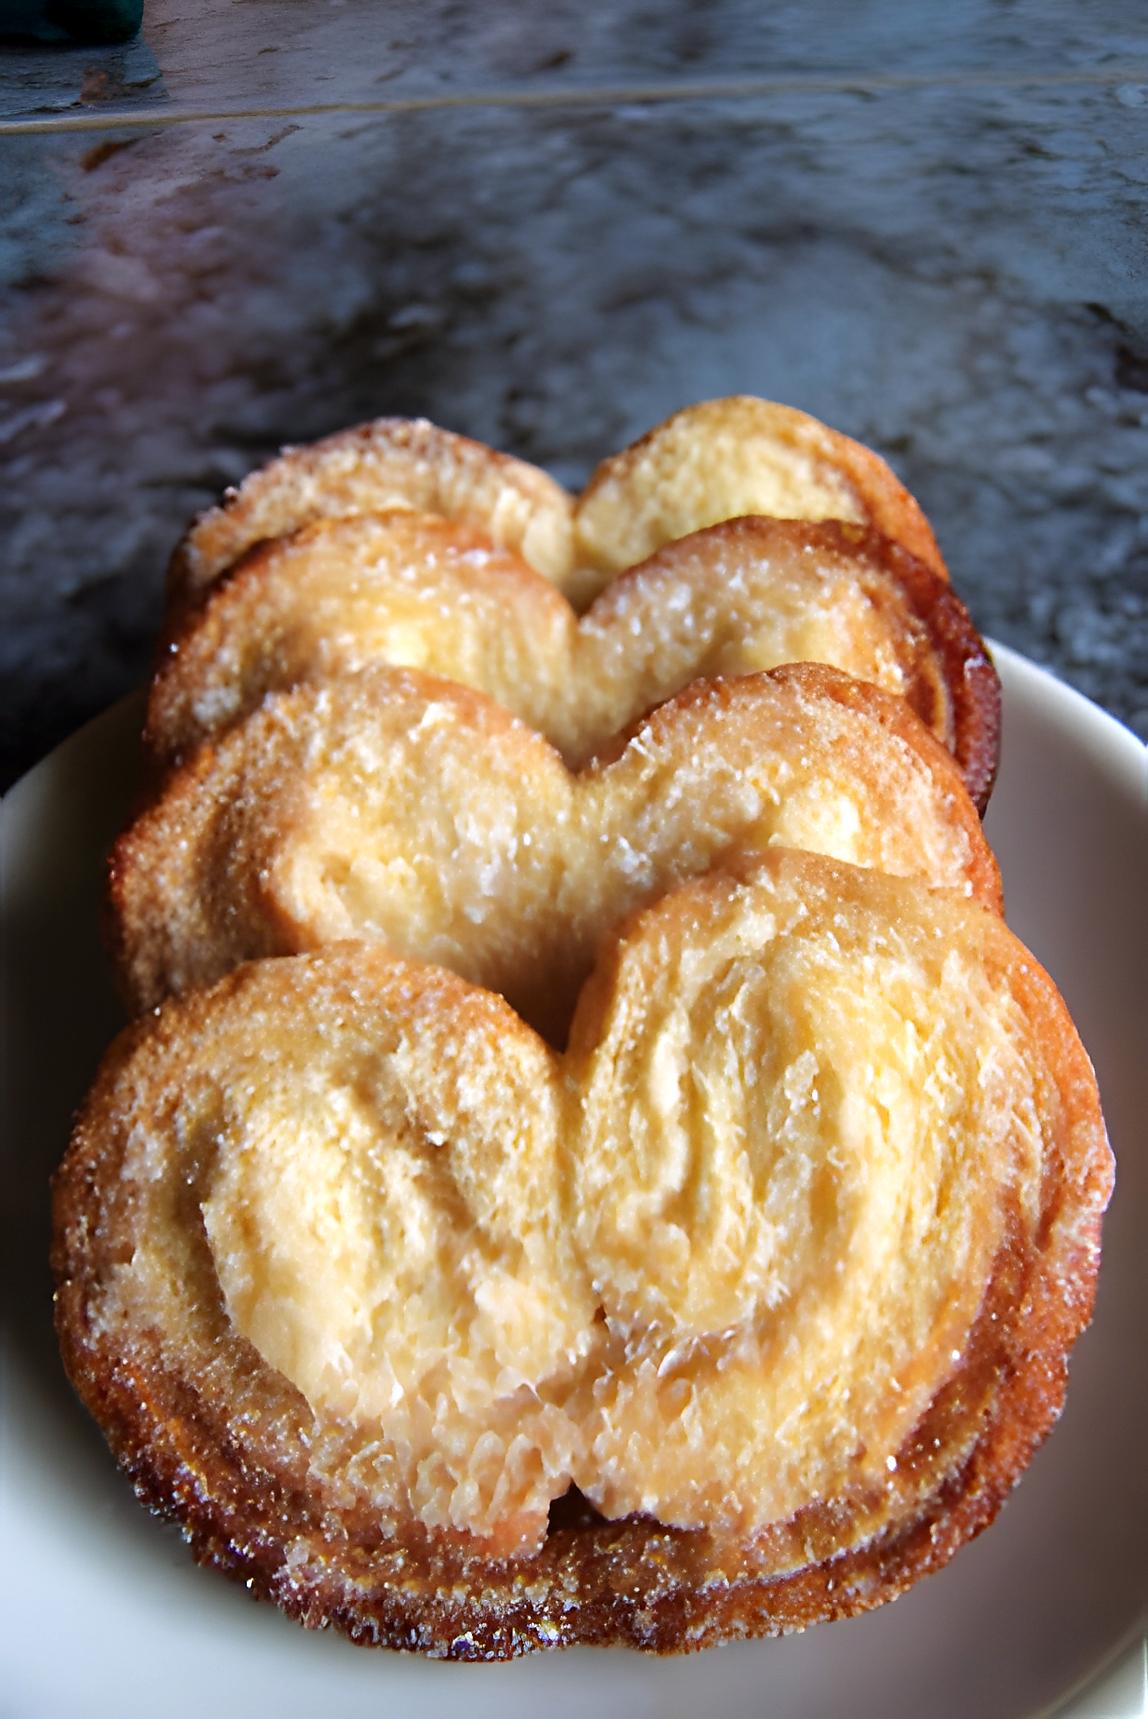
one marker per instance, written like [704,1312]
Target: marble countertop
[212,243]
[218,59]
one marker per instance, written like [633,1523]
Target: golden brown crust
[391,462]
[634,1583]
[400,588]
[252,1508]
[397,806]
[957,670]
[709,462]
[410,590]
[943,669]
[724,458]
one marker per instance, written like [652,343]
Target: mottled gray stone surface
[956,273]
[227,57]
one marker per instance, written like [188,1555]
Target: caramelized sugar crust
[410,590]
[711,462]
[395,806]
[964,1226]
[390,463]
[399,588]
[724,458]
[753,593]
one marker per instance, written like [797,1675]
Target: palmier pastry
[393,462]
[710,462]
[780,1265]
[411,590]
[394,805]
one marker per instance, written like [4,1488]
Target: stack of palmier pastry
[592,1163]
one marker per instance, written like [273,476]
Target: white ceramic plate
[104,1613]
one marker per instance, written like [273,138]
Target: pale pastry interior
[397,807]
[391,463]
[713,1265]
[722,459]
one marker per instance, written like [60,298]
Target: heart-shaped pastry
[392,805]
[746,1308]
[415,591]
[780,1264]
[710,462]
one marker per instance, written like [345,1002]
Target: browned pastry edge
[216,536]
[969,678]
[890,506]
[594,1581]
[233,1519]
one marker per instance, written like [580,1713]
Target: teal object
[67,21]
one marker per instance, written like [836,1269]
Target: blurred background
[260,220]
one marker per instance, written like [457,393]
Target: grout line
[686,90]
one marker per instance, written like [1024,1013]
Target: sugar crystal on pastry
[807,1149]
[393,805]
[409,590]
[293,1177]
[391,463]
[722,459]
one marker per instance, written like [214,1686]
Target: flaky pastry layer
[721,459]
[411,590]
[792,1242]
[395,806]
[710,462]
[389,463]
